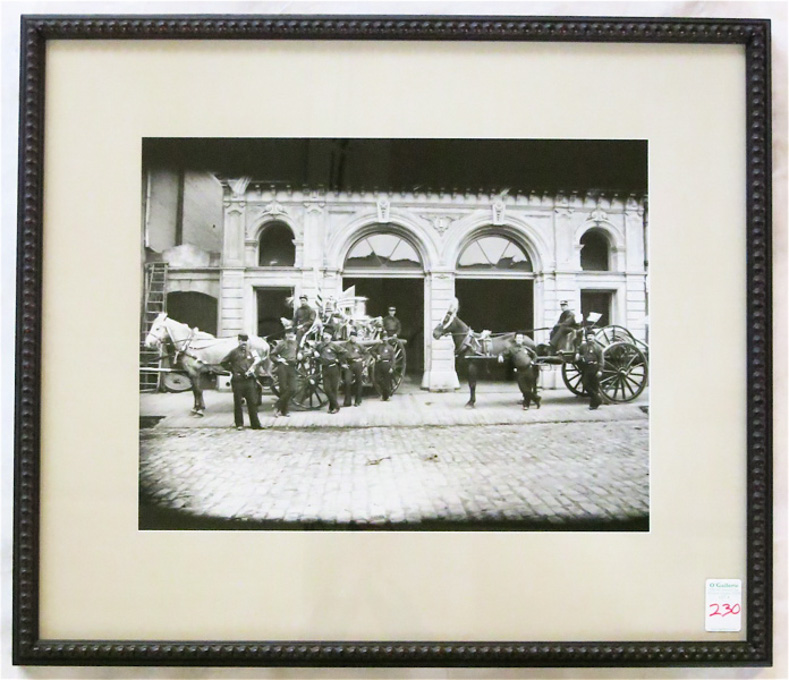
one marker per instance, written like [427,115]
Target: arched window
[276,246]
[383,250]
[494,253]
[194,309]
[594,252]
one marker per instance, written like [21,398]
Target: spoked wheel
[398,366]
[625,373]
[573,379]
[613,333]
[309,393]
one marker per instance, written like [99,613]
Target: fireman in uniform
[303,318]
[392,324]
[525,371]
[286,356]
[353,369]
[241,363]
[591,362]
[330,355]
[384,366]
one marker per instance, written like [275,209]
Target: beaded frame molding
[29,648]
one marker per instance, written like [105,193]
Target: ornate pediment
[440,222]
[383,206]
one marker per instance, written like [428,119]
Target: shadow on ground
[152,517]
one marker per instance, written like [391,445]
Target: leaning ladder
[155,302]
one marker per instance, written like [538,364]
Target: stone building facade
[509,259]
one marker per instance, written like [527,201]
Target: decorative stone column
[440,374]
[231,279]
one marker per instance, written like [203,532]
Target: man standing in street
[591,362]
[286,356]
[525,371]
[303,318]
[353,369]
[564,327]
[330,355]
[384,366]
[241,363]
[392,324]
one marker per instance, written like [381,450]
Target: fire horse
[472,346]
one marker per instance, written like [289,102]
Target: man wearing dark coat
[286,357]
[384,354]
[392,324]
[303,318]
[526,372]
[563,328]
[353,369]
[241,363]
[591,362]
[330,355]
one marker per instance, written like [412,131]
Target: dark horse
[472,346]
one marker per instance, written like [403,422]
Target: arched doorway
[386,268]
[494,285]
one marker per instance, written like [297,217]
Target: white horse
[196,352]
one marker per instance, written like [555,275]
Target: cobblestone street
[496,467]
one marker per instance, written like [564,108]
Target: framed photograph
[393,341]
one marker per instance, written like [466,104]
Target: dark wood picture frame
[29,648]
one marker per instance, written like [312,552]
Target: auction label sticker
[723,605]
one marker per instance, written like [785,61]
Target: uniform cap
[302,297]
[352,333]
[564,302]
[243,336]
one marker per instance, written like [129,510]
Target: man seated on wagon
[303,318]
[392,324]
[563,332]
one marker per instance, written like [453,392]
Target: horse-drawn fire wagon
[625,361]
[342,316]
[626,358]
[185,356]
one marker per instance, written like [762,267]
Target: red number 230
[724,609]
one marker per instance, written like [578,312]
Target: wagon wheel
[625,373]
[398,368]
[608,335]
[309,394]
[176,382]
[613,333]
[573,379]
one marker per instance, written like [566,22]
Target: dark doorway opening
[498,306]
[197,310]
[272,305]
[408,296]
[598,301]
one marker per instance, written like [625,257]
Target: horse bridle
[174,342]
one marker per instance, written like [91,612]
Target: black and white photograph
[394,334]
